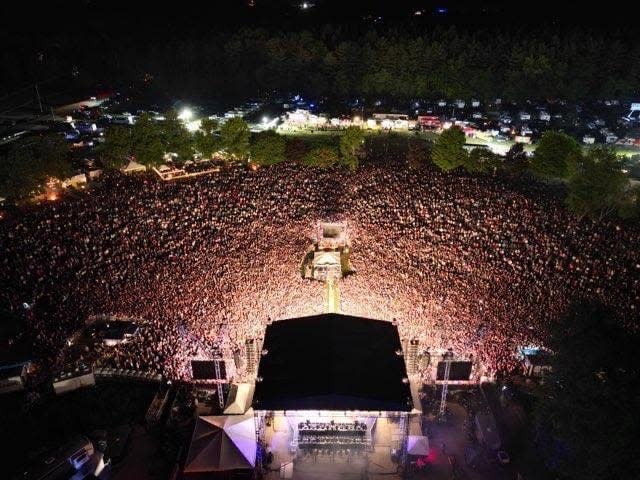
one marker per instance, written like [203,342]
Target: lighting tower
[216,364]
[251,350]
[447,358]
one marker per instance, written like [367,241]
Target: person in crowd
[477,264]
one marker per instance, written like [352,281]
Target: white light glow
[185,114]
[193,126]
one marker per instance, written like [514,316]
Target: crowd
[471,263]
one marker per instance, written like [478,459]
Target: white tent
[417,445]
[133,167]
[222,443]
[75,181]
[239,400]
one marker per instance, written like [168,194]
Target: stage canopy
[239,399]
[222,444]
[332,362]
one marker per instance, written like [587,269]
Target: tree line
[148,141]
[27,165]
[585,412]
[597,185]
[30,162]
[572,64]
[595,181]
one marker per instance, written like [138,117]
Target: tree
[235,137]
[30,163]
[295,150]
[205,140]
[593,388]
[148,146]
[556,156]
[516,159]
[351,143]
[175,137]
[629,208]
[632,165]
[323,157]
[117,147]
[598,186]
[448,149]
[481,160]
[418,153]
[268,148]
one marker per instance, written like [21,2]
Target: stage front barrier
[126,374]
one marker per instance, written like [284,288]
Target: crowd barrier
[126,374]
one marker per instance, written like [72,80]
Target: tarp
[222,443]
[239,400]
[417,445]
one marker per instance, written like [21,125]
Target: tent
[133,167]
[417,445]
[239,400]
[222,444]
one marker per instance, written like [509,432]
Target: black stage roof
[332,362]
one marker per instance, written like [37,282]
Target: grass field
[324,137]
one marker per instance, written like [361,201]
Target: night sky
[77,17]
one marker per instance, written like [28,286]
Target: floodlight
[185,114]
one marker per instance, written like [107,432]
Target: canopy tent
[222,444]
[417,445]
[239,400]
[133,167]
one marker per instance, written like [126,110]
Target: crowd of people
[471,263]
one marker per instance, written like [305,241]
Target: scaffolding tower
[412,356]
[446,358]
[220,391]
[252,346]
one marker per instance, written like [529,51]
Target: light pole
[38,95]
